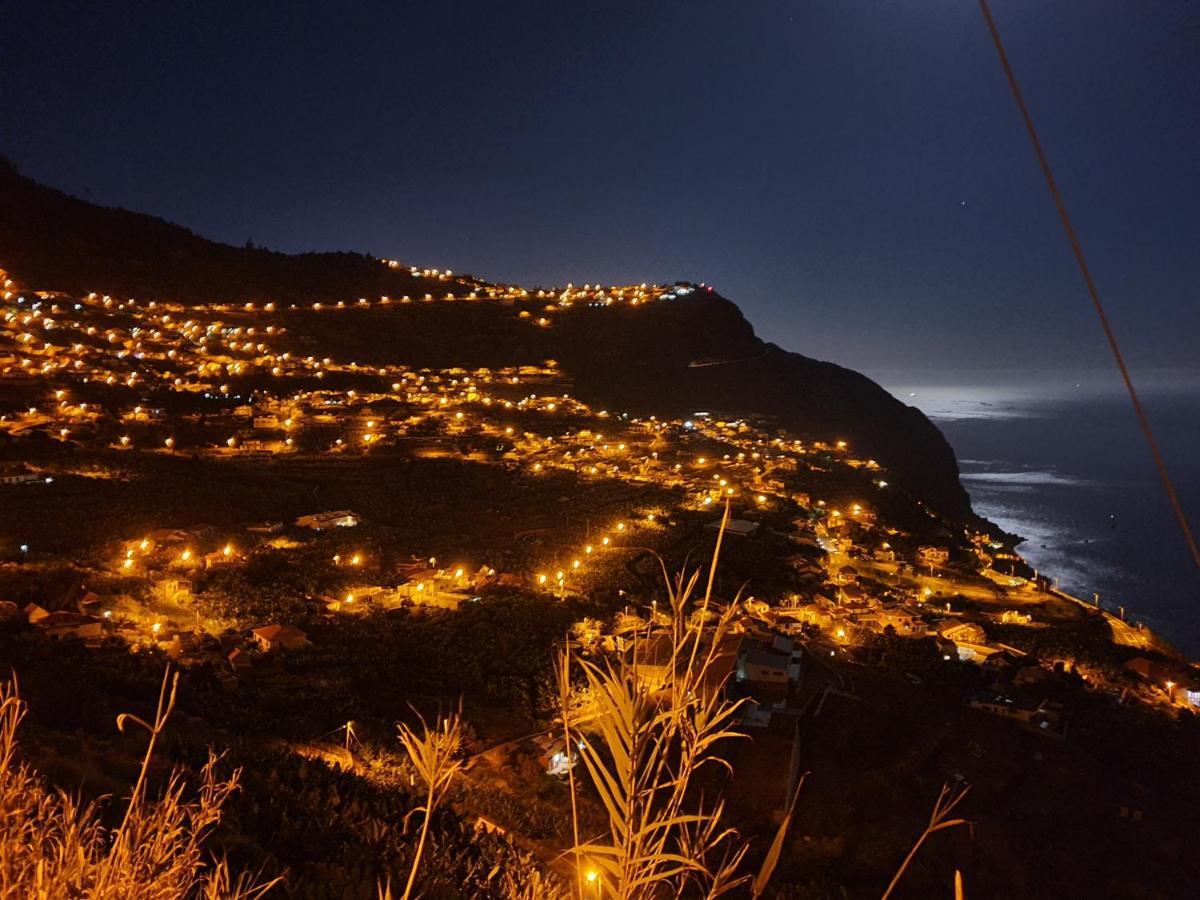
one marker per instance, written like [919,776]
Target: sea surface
[1068,469]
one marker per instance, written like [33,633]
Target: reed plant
[434,756]
[645,749]
[53,845]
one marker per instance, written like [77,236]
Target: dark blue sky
[853,174]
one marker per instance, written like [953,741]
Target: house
[173,590]
[167,536]
[961,632]
[553,754]
[899,619]
[884,554]
[997,656]
[34,613]
[265,527]
[1146,669]
[71,626]
[989,653]
[932,556]
[219,557]
[430,590]
[805,565]
[17,475]
[809,614]
[1178,682]
[485,576]
[342,518]
[759,609]
[851,594]
[761,665]
[1188,691]
[742,528]
[1042,717]
[1012,617]
[279,637]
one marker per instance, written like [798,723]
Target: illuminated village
[209,484]
[599,452]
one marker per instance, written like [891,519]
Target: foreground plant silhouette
[52,846]
[434,755]
[644,746]
[643,751]
[939,820]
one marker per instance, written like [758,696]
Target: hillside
[697,352]
[334,493]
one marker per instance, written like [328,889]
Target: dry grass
[643,752]
[939,820]
[52,846]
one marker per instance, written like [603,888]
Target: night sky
[853,174]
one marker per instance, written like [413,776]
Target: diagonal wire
[1091,285]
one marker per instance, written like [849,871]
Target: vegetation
[645,758]
[134,419]
[53,846]
[433,753]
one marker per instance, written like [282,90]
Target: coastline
[1065,470]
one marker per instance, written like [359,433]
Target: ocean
[1068,469]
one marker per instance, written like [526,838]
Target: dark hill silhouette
[670,357]
[57,241]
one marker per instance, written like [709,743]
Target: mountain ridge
[695,352]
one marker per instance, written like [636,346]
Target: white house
[342,518]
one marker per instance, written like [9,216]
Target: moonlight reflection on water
[1071,474]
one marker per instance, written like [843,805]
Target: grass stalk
[939,820]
